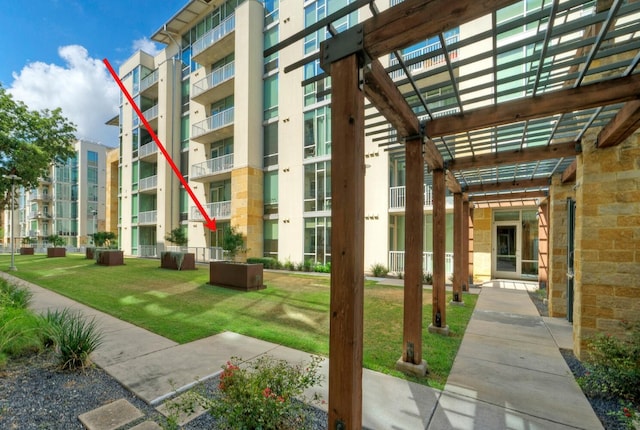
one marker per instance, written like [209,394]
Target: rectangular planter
[90,253]
[239,276]
[170,260]
[109,257]
[56,252]
[26,251]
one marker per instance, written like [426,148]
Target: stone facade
[607,260]
[247,207]
[481,245]
[557,295]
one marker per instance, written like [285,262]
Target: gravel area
[34,394]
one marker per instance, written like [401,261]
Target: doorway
[515,244]
[506,250]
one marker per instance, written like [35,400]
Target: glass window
[271,192]
[271,238]
[270,144]
[506,215]
[317,132]
[317,239]
[317,187]
[271,97]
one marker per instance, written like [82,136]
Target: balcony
[217,210]
[203,172]
[396,262]
[425,63]
[148,152]
[219,124]
[398,198]
[148,85]
[151,115]
[216,43]
[148,217]
[148,184]
[215,86]
[40,197]
[40,216]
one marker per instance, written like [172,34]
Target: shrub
[19,330]
[267,262]
[267,395]
[178,236]
[379,270]
[307,265]
[427,278]
[322,268]
[233,242]
[56,241]
[12,296]
[289,265]
[614,366]
[75,338]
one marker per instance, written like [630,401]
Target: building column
[543,245]
[557,219]
[470,244]
[411,361]
[439,294]
[458,277]
[347,246]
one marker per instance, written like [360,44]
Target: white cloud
[83,88]
[146,45]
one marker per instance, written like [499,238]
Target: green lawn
[292,311]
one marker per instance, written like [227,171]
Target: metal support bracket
[341,45]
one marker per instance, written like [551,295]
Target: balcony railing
[148,217]
[148,183]
[398,197]
[214,210]
[213,35]
[212,166]
[40,196]
[214,122]
[213,79]
[147,149]
[396,262]
[425,63]
[151,113]
[149,80]
[202,254]
[147,250]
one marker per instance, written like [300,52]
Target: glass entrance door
[506,250]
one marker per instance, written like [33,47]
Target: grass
[292,311]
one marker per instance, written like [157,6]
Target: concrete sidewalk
[508,374]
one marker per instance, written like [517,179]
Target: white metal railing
[214,122]
[148,183]
[211,166]
[396,262]
[148,217]
[398,197]
[151,113]
[213,79]
[147,149]
[147,250]
[203,254]
[40,196]
[213,35]
[149,80]
[214,210]
[426,63]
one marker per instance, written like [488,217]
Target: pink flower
[266,392]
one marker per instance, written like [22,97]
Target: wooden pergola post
[347,245]
[458,253]
[411,361]
[439,320]
[465,243]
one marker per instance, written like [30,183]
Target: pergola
[504,126]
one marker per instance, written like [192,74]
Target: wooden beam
[347,241]
[569,174]
[457,247]
[511,157]
[510,196]
[623,125]
[508,185]
[414,21]
[414,214]
[452,182]
[604,93]
[388,100]
[439,294]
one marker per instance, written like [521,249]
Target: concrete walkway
[508,374]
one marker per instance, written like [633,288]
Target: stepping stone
[147,425]
[111,416]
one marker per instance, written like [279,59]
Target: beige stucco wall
[481,245]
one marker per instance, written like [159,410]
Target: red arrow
[209,223]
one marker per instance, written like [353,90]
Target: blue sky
[53,49]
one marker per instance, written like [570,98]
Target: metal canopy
[509,55]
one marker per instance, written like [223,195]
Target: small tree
[56,240]
[233,242]
[103,238]
[178,236]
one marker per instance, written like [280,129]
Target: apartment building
[252,142]
[70,201]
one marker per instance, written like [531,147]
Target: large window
[271,192]
[270,142]
[317,239]
[271,238]
[317,132]
[317,187]
[271,97]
